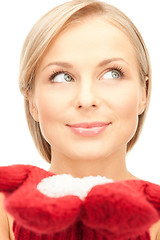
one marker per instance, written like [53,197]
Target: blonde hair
[48,27]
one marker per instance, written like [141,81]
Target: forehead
[89,41]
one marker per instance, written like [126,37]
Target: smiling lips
[88,129]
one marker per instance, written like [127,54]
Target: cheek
[127,106]
[123,103]
[123,98]
[126,110]
[51,107]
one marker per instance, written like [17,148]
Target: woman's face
[88,76]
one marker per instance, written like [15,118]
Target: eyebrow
[68,65]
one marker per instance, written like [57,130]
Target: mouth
[88,129]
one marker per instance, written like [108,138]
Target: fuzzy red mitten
[39,202]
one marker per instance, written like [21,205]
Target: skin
[92,95]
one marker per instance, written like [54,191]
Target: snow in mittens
[65,184]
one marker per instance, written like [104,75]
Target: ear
[33,109]
[143,97]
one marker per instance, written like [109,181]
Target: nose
[87,97]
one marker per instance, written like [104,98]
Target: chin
[90,155]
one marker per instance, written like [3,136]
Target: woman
[86,78]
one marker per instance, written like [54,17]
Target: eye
[60,77]
[114,74]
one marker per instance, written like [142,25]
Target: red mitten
[39,201]
[119,210]
[29,207]
[12,177]
[152,193]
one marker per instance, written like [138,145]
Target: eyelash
[117,68]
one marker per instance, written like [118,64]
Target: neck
[112,167]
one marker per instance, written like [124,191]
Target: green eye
[115,74]
[67,77]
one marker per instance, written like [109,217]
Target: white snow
[65,184]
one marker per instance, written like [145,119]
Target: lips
[88,129]
[88,125]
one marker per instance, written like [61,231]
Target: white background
[16,145]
